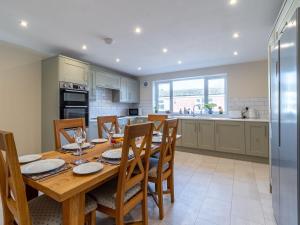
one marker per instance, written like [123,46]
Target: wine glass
[80,137]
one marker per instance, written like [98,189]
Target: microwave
[133,112]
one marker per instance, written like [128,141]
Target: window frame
[206,95]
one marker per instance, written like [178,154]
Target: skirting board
[224,155]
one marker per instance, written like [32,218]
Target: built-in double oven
[74,101]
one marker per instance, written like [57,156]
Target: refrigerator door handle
[279,97]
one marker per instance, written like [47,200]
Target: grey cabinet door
[179,141]
[230,136]
[257,139]
[92,84]
[107,80]
[124,90]
[189,133]
[133,93]
[72,71]
[206,135]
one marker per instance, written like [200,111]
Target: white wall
[20,96]
[247,84]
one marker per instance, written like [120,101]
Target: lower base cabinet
[257,139]
[230,136]
[240,137]
[190,134]
[179,141]
[206,135]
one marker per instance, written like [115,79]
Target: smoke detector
[108,40]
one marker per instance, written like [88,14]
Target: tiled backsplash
[103,104]
[261,105]
[234,104]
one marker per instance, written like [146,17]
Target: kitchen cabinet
[105,79]
[189,133]
[133,90]
[206,134]
[129,91]
[257,139]
[123,90]
[179,141]
[92,84]
[72,70]
[230,136]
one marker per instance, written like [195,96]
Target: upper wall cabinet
[105,79]
[71,70]
[129,91]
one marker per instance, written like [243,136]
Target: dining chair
[41,210]
[162,169]
[61,127]
[158,120]
[103,121]
[119,196]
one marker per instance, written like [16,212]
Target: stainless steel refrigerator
[285,123]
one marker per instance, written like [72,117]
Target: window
[175,95]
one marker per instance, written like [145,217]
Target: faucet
[200,108]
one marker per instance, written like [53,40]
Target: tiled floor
[213,191]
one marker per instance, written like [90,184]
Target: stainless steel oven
[74,101]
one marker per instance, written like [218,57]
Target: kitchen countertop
[219,119]
[198,118]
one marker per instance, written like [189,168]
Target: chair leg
[90,219]
[171,187]
[119,219]
[160,199]
[145,210]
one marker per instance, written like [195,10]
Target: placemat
[41,176]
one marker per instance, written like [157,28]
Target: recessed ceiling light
[84,47]
[236,35]
[23,23]
[139,68]
[138,30]
[179,62]
[117,60]
[233,2]
[165,50]
[235,53]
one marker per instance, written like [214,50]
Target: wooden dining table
[70,189]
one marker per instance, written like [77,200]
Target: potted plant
[209,107]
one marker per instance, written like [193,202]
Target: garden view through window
[175,96]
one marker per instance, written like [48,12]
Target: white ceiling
[198,32]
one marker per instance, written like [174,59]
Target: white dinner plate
[139,145]
[74,146]
[88,168]
[115,154]
[42,166]
[99,140]
[156,139]
[155,132]
[29,158]
[118,136]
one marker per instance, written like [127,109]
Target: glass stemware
[80,138]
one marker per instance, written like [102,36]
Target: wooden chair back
[134,171]
[167,148]
[158,120]
[13,194]
[61,127]
[102,122]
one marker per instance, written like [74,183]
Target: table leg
[31,193]
[73,210]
